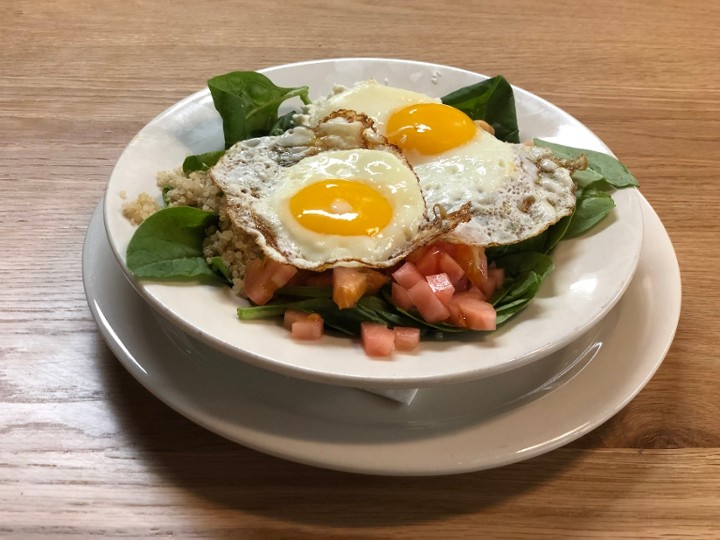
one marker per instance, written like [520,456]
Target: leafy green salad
[168,245]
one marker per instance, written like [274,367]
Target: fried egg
[515,191]
[336,195]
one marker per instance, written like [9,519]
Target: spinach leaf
[605,166]
[248,103]
[282,124]
[555,233]
[307,291]
[278,308]
[536,243]
[201,162]
[592,207]
[165,199]
[524,274]
[491,100]
[220,268]
[168,244]
[587,177]
[417,321]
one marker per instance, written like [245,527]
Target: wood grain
[86,451]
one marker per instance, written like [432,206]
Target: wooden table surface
[85,450]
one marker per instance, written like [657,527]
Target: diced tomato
[477,314]
[473,261]
[377,339]
[291,316]
[495,279]
[407,275]
[472,292]
[456,317]
[319,279]
[441,286]
[401,297]
[406,338]
[450,266]
[349,284]
[308,329]
[299,279]
[280,274]
[497,275]
[375,280]
[429,306]
[263,277]
[429,264]
[254,289]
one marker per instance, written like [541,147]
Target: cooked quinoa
[140,209]
[198,190]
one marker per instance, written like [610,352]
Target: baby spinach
[491,100]
[201,162]
[248,103]
[168,244]
[165,191]
[592,207]
[221,270]
[601,167]
[283,123]
[524,274]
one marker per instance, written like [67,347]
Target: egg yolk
[344,207]
[429,128]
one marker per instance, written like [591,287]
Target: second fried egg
[515,191]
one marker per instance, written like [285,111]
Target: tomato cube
[308,329]
[407,338]
[291,316]
[441,286]
[407,275]
[430,307]
[401,297]
[449,266]
[430,262]
[377,339]
[478,315]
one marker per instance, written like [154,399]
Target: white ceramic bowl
[591,273]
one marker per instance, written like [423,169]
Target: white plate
[591,273]
[448,429]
